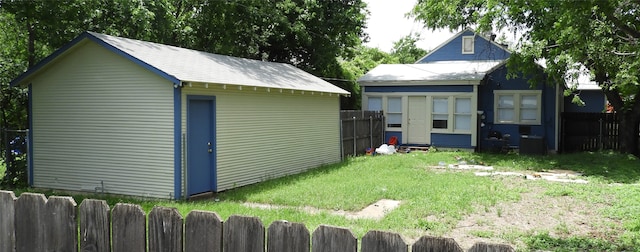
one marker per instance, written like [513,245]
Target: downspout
[177,140]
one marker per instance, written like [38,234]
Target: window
[374,103]
[451,114]
[517,106]
[463,114]
[394,112]
[467,44]
[440,114]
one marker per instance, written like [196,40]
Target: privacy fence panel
[33,223]
[361,129]
[589,132]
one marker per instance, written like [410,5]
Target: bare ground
[560,216]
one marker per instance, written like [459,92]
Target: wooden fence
[589,132]
[33,223]
[361,130]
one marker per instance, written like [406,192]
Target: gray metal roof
[460,72]
[195,66]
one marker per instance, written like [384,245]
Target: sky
[387,23]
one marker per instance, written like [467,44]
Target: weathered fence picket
[287,236]
[128,228]
[379,241]
[435,244]
[60,224]
[333,239]
[95,226]
[485,247]
[33,223]
[243,234]
[165,230]
[7,221]
[203,232]
[30,208]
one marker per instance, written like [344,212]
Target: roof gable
[483,49]
[185,65]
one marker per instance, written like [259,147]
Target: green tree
[406,51]
[603,36]
[310,34]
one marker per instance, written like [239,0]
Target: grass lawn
[528,214]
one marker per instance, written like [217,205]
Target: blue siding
[594,102]
[390,89]
[483,50]
[497,81]
[451,140]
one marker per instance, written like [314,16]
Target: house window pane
[394,112]
[394,120]
[395,105]
[529,101]
[505,115]
[467,44]
[505,101]
[440,105]
[529,114]
[463,106]
[463,122]
[375,103]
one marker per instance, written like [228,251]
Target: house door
[417,120]
[201,152]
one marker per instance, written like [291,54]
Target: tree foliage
[310,34]
[599,35]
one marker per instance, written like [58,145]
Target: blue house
[458,96]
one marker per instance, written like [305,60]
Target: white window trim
[451,100]
[517,94]
[385,107]
[472,38]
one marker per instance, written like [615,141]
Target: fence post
[7,221]
[341,140]
[379,241]
[95,226]
[129,228]
[287,236]
[333,239]
[430,243]
[30,211]
[370,131]
[355,137]
[203,232]
[61,226]
[165,230]
[243,234]
[600,145]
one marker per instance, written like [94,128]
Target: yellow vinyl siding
[264,135]
[99,117]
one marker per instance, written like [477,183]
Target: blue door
[201,152]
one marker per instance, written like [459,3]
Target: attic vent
[467,44]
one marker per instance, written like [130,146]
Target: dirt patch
[560,216]
[375,211]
